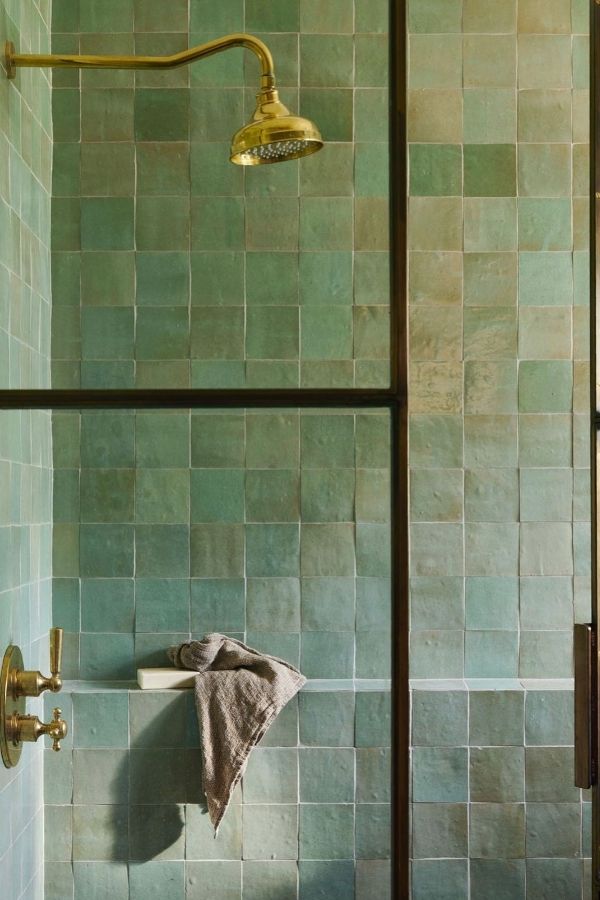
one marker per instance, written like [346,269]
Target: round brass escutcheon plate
[10,707]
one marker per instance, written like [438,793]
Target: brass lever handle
[30,728]
[27,683]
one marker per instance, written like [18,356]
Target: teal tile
[435,170]
[491,603]
[101,720]
[336,877]
[270,831]
[161,605]
[204,879]
[162,496]
[272,495]
[217,496]
[156,832]
[104,659]
[548,718]
[497,774]
[373,831]
[217,551]
[545,386]
[439,876]
[107,604]
[272,550]
[326,829]
[273,604]
[161,279]
[327,654]
[440,775]
[162,551]
[503,878]
[328,603]
[106,550]
[271,776]
[327,719]
[100,776]
[545,224]
[107,223]
[157,880]
[326,776]
[440,718]
[217,605]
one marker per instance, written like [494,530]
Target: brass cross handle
[57,729]
[30,729]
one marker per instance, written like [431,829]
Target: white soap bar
[164,679]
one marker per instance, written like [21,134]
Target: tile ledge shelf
[313,684]
[491,684]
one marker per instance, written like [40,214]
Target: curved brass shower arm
[14,60]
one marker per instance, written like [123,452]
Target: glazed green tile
[436,495]
[332,108]
[371,16]
[65,603]
[211,171]
[271,224]
[545,440]
[549,775]
[371,278]
[327,719]
[337,17]
[272,776]
[546,495]
[326,60]
[546,599]
[544,170]
[66,333]
[201,841]
[162,333]
[165,878]
[326,829]
[371,116]
[217,496]
[491,603]
[107,279]
[269,879]
[217,333]
[433,115]
[486,16]
[490,170]
[428,593]
[435,16]
[162,550]
[106,223]
[327,604]
[204,879]
[544,115]
[107,115]
[436,442]
[156,832]
[273,604]
[325,223]
[59,827]
[104,659]
[497,774]
[449,541]
[329,173]
[106,550]
[581,169]
[270,831]
[66,268]
[162,114]
[434,875]
[161,439]
[66,228]
[439,774]
[99,776]
[544,61]
[490,224]
[162,223]
[504,878]
[327,549]
[490,116]
[162,496]
[271,279]
[161,605]
[107,333]
[217,551]
[272,16]
[153,16]
[272,550]
[106,495]
[492,548]
[581,61]
[560,874]
[545,386]
[65,550]
[107,170]
[272,333]
[553,829]
[107,440]
[490,61]
[271,374]
[491,495]
[545,279]
[217,223]
[217,605]
[440,718]
[113,16]
[218,441]
[446,50]
[217,279]
[214,115]
[545,654]
[496,718]
[491,654]
[435,169]
[66,115]
[335,876]
[491,386]
[326,332]
[272,495]
[548,718]
[440,830]
[497,829]
[66,170]
[490,333]
[540,18]
[327,654]
[546,549]
[373,831]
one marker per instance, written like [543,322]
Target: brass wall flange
[9,59]
[12,705]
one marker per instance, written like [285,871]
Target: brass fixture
[17,683]
[273,134]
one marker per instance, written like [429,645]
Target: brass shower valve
[17,683]
[27,683]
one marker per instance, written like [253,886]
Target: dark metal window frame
[393,399]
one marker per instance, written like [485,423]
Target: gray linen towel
[239,692]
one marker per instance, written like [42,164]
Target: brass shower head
[273,135]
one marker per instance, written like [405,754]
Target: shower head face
[274,135]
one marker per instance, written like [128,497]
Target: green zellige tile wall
[500,562]
[173,268]
[25,437]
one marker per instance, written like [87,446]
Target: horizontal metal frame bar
[182,398]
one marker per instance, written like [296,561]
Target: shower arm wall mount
[14,60]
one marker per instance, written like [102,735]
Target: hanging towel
[239,692]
